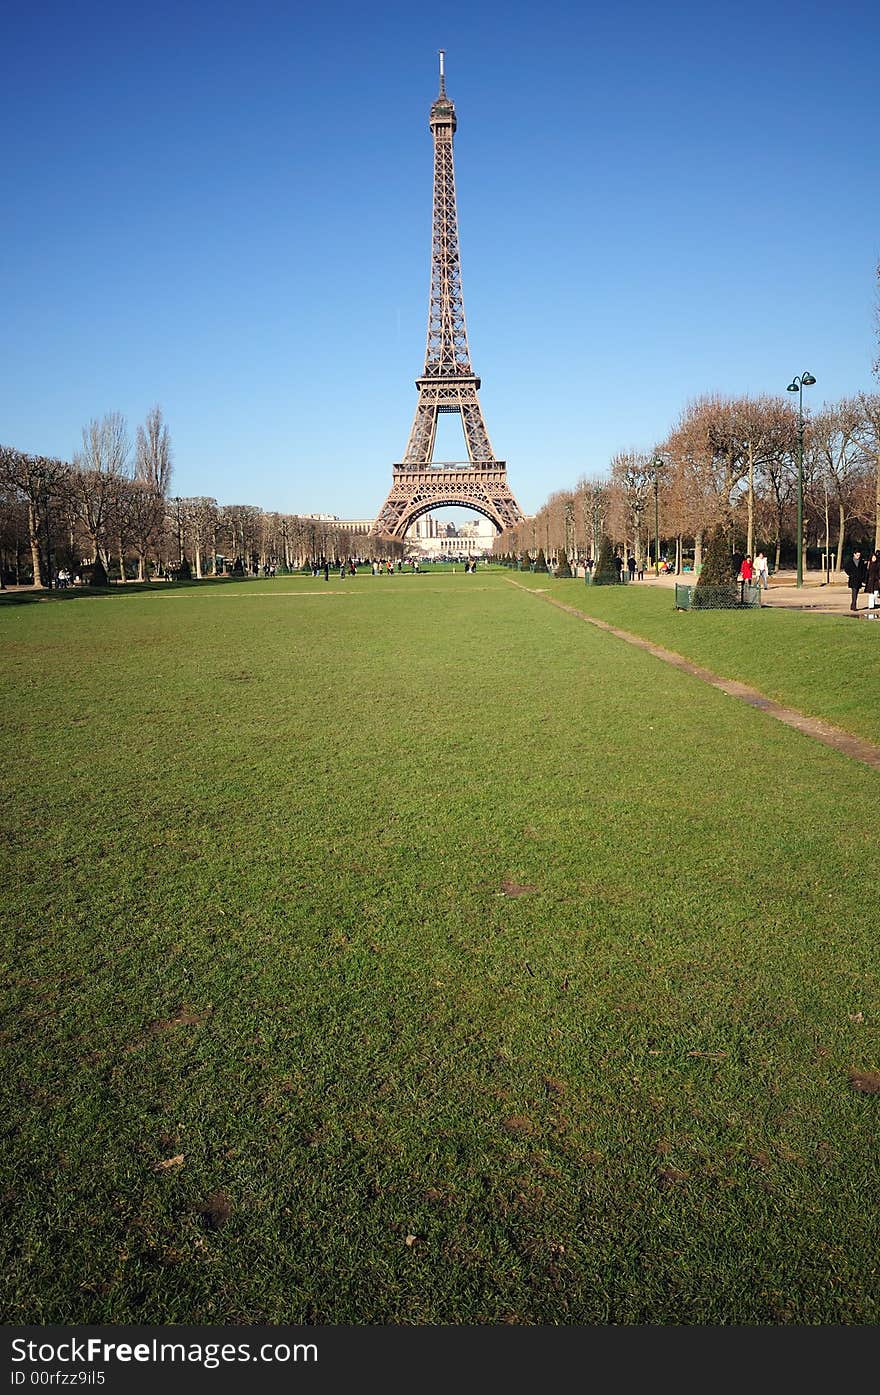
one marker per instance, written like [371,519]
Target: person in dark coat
[856,575]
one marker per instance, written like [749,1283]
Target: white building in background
[430,537]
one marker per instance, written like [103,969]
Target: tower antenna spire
[442,73]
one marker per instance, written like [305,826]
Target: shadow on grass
[118,589]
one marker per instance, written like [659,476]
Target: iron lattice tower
[448,383]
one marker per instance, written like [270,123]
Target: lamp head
[807,379]
[793,387]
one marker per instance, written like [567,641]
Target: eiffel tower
[448,383]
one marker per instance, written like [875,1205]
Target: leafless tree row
[109,512]
[729,461]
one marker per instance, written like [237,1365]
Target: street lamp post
[797,385]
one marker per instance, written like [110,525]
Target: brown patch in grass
[215,1210]
[671,1177]
[531,1200]
[761,1160]
[183,1018]
[555,1087]
[867,1082]
[511,888]
[518,1126]
[439,1196]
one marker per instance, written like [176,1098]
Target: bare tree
[765,428]
[633,473]
[838,454]
[37,480]
[146,517]
[94,481]
[592,498]
[869,437]
[14,534]
[153,453]
[201,517]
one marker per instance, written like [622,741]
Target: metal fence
[739,595]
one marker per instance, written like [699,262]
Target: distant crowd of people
[382,566]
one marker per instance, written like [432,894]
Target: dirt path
[855,746]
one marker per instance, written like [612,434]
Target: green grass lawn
[824,665]
[401,950]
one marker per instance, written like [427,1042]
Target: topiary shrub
[98,573]
[525,564]
[184,570]
[541,564]
[716,587]
[238,567]
[562,565]
[604,572]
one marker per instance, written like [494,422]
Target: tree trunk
[34,538]
[698,551]
[198,551]
[121,567]
[877,506]
[841,535]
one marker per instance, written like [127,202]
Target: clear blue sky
[225,208]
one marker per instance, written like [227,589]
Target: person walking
[762,571]
[326,570]
[872,582]
[856,573]
[631,567]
